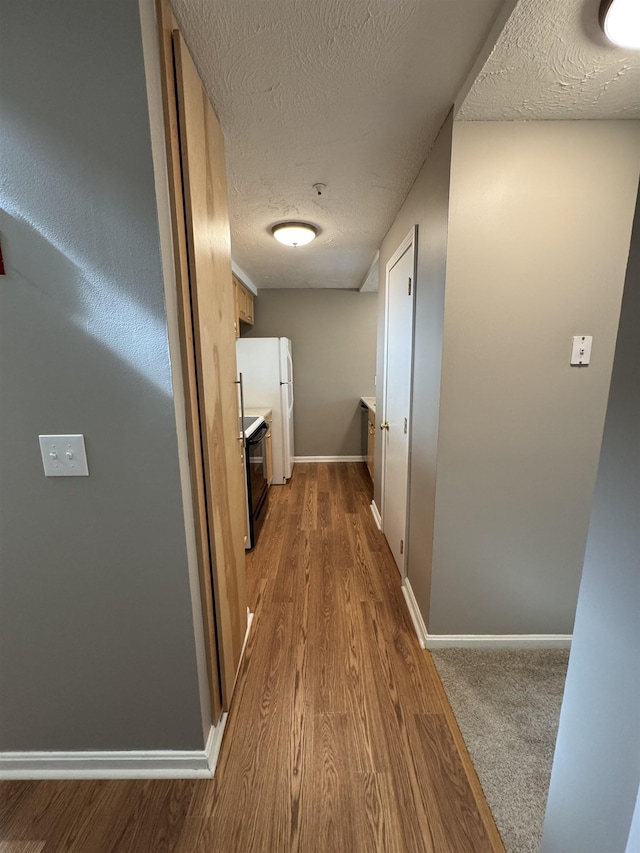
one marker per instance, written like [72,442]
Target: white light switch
[63,455]
[581,350]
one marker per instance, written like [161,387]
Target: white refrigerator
[267,379]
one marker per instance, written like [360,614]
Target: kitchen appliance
[255,431]
[267,374]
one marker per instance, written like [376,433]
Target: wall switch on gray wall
[63,455]
[581,350]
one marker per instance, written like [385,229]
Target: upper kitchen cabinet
[243,305]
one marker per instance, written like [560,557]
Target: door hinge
[402,546]
[409,288]
[405,426]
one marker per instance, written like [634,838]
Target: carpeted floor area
[507,704]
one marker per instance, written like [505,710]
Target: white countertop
[370,403]
[258,412]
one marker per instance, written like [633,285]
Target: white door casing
[397,391]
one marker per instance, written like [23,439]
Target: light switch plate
[64,455]
[581,350]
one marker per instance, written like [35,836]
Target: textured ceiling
[552,62]
[350,93]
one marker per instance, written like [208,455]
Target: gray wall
[539,227]
[596,769]
[96,631]
[333,335]
[427,205]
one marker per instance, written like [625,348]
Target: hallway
[339,738]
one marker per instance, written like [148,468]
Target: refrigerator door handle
[290,396]
[290,361]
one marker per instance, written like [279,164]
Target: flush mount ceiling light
[294,233]
[620,20]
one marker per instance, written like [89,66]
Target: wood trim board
[204,184]
[166,26]
[202,249]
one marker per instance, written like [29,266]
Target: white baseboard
[414,612]
[477,641]
[376,515]
[214,742]
[498,641]
[126,764]
[328,459]
[130,764]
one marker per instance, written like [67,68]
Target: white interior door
[395,425]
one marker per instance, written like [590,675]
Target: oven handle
[257,436]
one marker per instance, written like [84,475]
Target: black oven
[257,484]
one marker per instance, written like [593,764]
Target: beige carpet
[507,704]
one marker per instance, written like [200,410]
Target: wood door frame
[204,184]
[410,241]
[166,26]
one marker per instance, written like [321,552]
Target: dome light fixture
[620,20]
[294,233]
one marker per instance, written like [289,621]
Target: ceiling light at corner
[294,233]
[620,20]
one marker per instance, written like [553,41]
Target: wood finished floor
[339,739]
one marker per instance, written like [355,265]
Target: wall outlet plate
[64,455]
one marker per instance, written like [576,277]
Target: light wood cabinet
[371,441]
[243,300]
[245,305]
